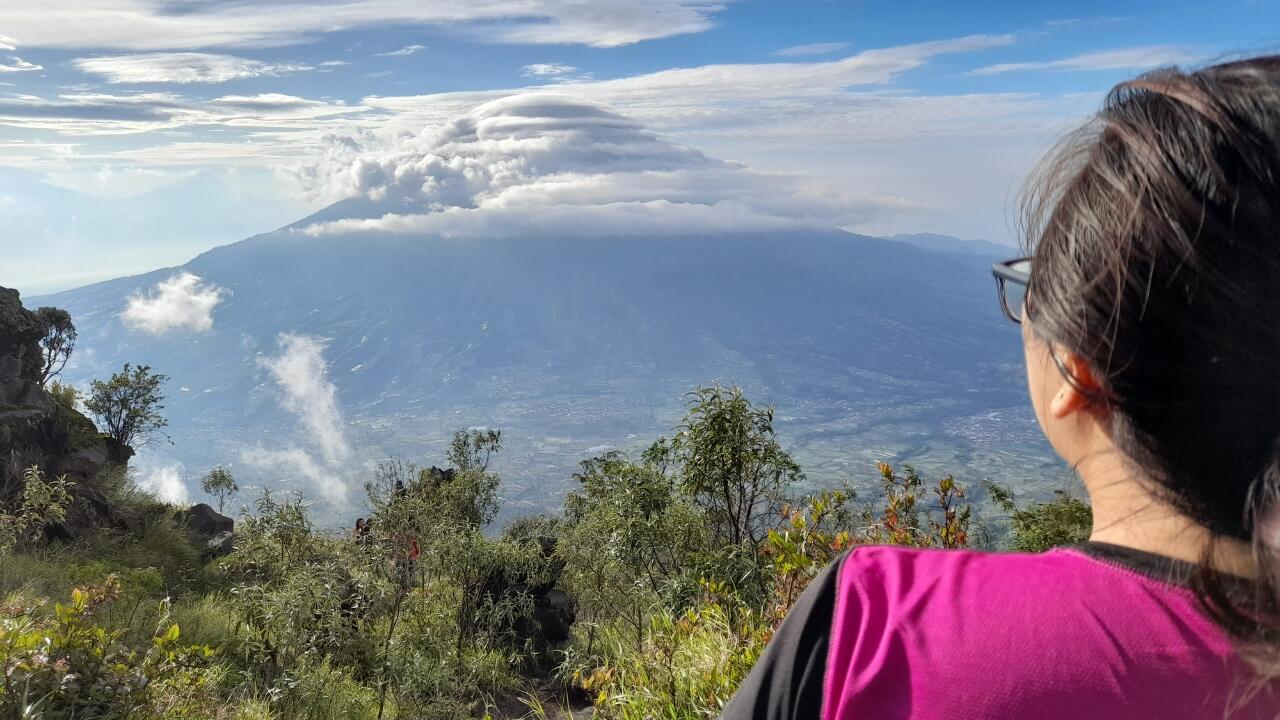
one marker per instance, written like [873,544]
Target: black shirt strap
[787,681]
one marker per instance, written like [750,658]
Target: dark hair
[1155,230]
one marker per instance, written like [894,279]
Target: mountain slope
[866,346]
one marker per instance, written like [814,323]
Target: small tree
[728,458]
[471,449]
[220,484]
[128,407]
[58,341]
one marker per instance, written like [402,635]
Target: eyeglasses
[1012,277]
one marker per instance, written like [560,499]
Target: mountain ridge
[867,346]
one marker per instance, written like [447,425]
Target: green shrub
[1040,526]
[65,395]
[65,664]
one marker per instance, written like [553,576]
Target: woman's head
[1155,287]
[1156,236]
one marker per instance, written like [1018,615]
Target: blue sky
[135,134]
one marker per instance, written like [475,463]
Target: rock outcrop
[204,520]
[35,429]
[212,530]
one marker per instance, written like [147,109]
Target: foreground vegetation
[682,562]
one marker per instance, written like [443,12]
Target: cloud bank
[180,68]
[551,163]
[161,25]
[322,455]
[183,302]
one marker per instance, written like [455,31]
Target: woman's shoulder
[918,583]
[907,569]
[895,569]
[907,623]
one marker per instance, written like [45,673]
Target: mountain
[869,348]
[948,244]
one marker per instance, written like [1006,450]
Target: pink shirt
[940,634]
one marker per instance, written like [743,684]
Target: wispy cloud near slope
[303,378]
[322,454]
[164,480]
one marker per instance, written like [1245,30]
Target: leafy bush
[694,662]
[65,395]
[41,503]
[65,665]
[683,562]
[1040,526]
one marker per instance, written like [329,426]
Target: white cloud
[324,455]
[406,50]
[165,482]
[843,120]
[95,113]
[812,49]
[7,43]
[302,376]
[551,163]
[295,462]
[547,70]
[17,64]
[334,63]
[153,25]
[183,302]
[180,68]
[1137,58]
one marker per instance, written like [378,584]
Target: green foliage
[64,395]
[65,665]
[816,531]
[908,519]
[127,408]
[695,660]
[58,342]
[42,503]
[219,483]
[727,456]
[471,449]
[682,561]
[630,531]
[1040,526]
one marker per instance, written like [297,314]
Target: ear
[1078,390]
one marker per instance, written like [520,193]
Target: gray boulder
[204,520]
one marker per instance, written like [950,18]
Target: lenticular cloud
[554,163]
